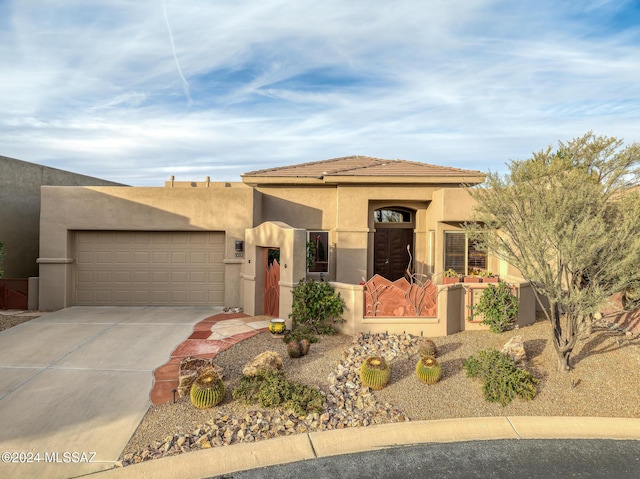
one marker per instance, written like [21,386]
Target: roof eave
[433,179]
[281,180]
[362,179]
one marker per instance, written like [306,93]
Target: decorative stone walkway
[210,336]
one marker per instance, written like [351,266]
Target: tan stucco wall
[292,243]
[20,183]
[452,312]
[66,209]
[346,212]
[447,321]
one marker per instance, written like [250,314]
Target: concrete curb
[240,457]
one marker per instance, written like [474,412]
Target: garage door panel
[179,257]
[160,257]
[141,277]
[122,257]
[121,237]
[179,239]
[86,297]
[140,297]
[160,277]
[141,238]
[216,297]
[103,257]
[198,277]
[180,277]
[198,296]
[122,277]
[103,297]
[85,258]
[103,277]
[122,297]
[85,277]
[149,268]
[200,257]
[141,257]
[216,276]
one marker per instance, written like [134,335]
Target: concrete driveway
[74,384]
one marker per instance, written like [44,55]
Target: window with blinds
[462,255]
[454,251]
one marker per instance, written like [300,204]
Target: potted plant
[473,276]
[277,327]
[489,277]
[450,277]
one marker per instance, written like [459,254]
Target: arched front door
[394,232]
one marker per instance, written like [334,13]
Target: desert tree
[569,220]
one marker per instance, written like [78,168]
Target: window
[318,252]
[461,254]
[391,216]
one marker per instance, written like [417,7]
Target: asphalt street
[496,459]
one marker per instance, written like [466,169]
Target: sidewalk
[210,336]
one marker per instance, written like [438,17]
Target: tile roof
[362,166]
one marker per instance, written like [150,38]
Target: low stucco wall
[451,316]
[449,313]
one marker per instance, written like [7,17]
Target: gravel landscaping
[604,382]
[10,320]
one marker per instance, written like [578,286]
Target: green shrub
[502,379]
[300,333]
[273,389]
[498,306]
[316,306]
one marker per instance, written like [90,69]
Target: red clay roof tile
[361,166]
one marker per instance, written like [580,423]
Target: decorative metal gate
[14,293]
[271,282]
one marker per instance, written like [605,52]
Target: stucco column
[351,255]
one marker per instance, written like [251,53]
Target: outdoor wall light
[239,246]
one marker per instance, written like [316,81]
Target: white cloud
[97,87]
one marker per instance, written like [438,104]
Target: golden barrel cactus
[375,372]
[427,348]
[207,391]
[428,370]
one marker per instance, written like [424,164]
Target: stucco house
[191,243]
[20,183]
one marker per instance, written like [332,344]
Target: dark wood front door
[390,256]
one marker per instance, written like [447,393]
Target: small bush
[316,306]
[272,390]
[502,379]
[299,334]
[498,306]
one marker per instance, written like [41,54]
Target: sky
[135,91]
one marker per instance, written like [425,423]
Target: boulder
[190,369]
[185,380]
[193,364]
[267,361]
[515,348]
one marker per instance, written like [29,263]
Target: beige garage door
[149,268]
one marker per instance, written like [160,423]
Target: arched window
[391,215]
